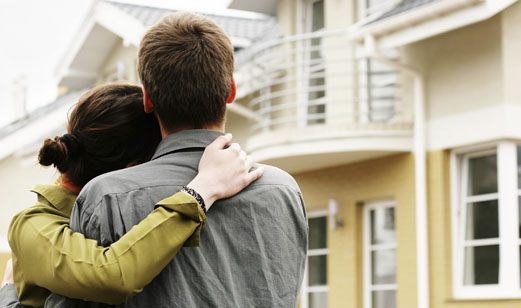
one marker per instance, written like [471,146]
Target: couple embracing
[146,230]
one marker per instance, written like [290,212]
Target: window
[379,255]
[315,289]
[315,68]
[486,224]
[378,84]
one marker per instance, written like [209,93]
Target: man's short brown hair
[186,64]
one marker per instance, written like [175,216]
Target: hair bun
[54,152]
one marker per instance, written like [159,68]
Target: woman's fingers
[242,155]
[221,142]
[235,148]
[254,174]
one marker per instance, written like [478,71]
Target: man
[253,247]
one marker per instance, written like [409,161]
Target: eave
[427,21]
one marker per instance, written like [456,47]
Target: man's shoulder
[112,183]
[274,176]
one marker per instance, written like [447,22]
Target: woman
[108,130]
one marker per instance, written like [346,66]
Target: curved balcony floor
[315,147]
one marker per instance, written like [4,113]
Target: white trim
[293,143]
[417,15]
[317,252]
[427,21]
[306,289]
[508,216]
[317,213]
[368,247]
[318,289]
[384,287]
[481,198]
[481,242]
[502,123]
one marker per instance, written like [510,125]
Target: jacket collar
[60,198]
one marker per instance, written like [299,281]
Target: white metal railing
[316,79]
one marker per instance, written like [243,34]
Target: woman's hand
[8,274]
[223,171]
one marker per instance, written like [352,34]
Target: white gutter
[410,17]
[427,21]
[420,170]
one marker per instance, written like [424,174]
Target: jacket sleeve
[54,257]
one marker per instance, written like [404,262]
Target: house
[399,120]
[104,50]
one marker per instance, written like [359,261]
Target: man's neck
[165,132]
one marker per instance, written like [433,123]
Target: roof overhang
[27,138]
[104,26]
[268,7]
[427,21]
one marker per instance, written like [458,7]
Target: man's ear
[149,107]
[233,92]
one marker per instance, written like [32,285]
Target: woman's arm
[62,261]
[53,257]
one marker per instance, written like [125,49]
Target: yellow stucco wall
[440,249]
[351,185]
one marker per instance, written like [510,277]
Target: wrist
[206,191]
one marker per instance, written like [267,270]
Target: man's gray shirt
[253,247]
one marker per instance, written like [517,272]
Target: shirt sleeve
[8,297]
[78,268]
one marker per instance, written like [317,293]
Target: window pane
[519,167]
[317,267]
[384,299]
[482,220]
[383,266]
[481,265]
[482,175]
[317,232]
[519,215]
[382,226]
[318,16]
[318,300]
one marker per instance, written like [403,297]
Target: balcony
[314,104]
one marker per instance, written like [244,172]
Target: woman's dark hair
[108,130]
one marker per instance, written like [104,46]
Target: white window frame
[306,289]
[368,287]
[509,241]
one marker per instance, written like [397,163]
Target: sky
[34,36]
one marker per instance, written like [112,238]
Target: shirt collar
[191,138]
[59,197]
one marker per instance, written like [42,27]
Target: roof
[402,7]
[239,27]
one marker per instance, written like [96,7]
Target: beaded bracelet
[196,196]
